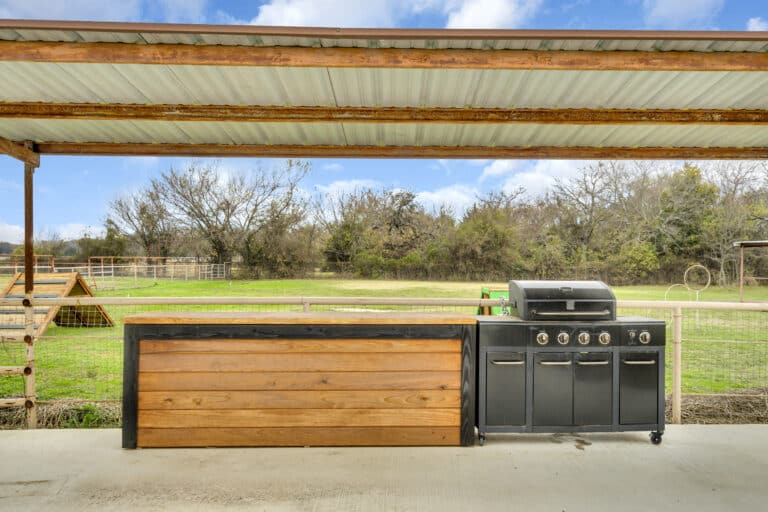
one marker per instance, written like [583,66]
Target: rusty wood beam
[29,247]
[22,152]
[211,55]
[271,114]
[308,151]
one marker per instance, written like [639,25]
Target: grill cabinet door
[638,389]
[592,388]
[553,389]
[505,389]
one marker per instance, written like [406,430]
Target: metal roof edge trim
[383,33]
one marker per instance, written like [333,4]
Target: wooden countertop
[224,318]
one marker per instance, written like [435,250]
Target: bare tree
[225,207]
[144,216]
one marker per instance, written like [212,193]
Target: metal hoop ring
[685,278]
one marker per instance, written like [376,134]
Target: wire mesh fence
[724,352]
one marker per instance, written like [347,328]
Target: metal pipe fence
[132,275]
[717,352]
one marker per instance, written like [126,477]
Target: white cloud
[536,180]
[11,233]
[180,11]
[491,13]
[15,234]
[346,186]
[757,25]
[387,13]
[10,184]
[500,168]
[681,13]
[334,167]
[73,231]
[142,161]
[337,13]
[457,197]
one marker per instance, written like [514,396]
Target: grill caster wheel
[482,439]
[656,437]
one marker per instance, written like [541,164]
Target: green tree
[687,208]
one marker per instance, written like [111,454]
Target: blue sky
[73,193]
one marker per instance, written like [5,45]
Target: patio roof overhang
[198,90]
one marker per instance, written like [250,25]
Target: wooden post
[741,273]
[29,286]
[677,365]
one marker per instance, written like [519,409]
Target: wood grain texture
[409,115]
[19,152]
[233,318]
[300,418]
[402,151]
[363,399]
[288,384]
[273,345]
[325,362]
[410,58]
[298,436]
[244,381]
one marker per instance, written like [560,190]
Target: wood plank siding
[370,384]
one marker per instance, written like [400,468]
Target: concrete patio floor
[697,468]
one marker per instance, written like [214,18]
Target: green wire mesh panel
[492,293]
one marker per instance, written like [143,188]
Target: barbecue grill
[563,362]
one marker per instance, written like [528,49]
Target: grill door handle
[555,363]
[641,363]
[508,363]
[592,363]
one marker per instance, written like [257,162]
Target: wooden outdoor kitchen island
[298,379]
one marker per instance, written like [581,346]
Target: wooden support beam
[220,55]
[307,151]
[30,393]
[7,403]
[14,370]
[20,152]
[277,114]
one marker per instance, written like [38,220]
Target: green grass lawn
[723,351]
[374,288]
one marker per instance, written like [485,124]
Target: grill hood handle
[604,312]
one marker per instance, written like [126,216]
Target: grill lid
[562,300]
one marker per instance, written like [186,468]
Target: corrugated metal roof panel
[498,135]
[131,83]
[499,43]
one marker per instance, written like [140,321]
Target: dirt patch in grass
[66,414]
[747,406]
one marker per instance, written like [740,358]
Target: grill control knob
[563,338]
[645,337]
[542,338]
[604,338]
[584,338]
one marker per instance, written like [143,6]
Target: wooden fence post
[677,364]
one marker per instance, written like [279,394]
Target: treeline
[624,222]
[620,222]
